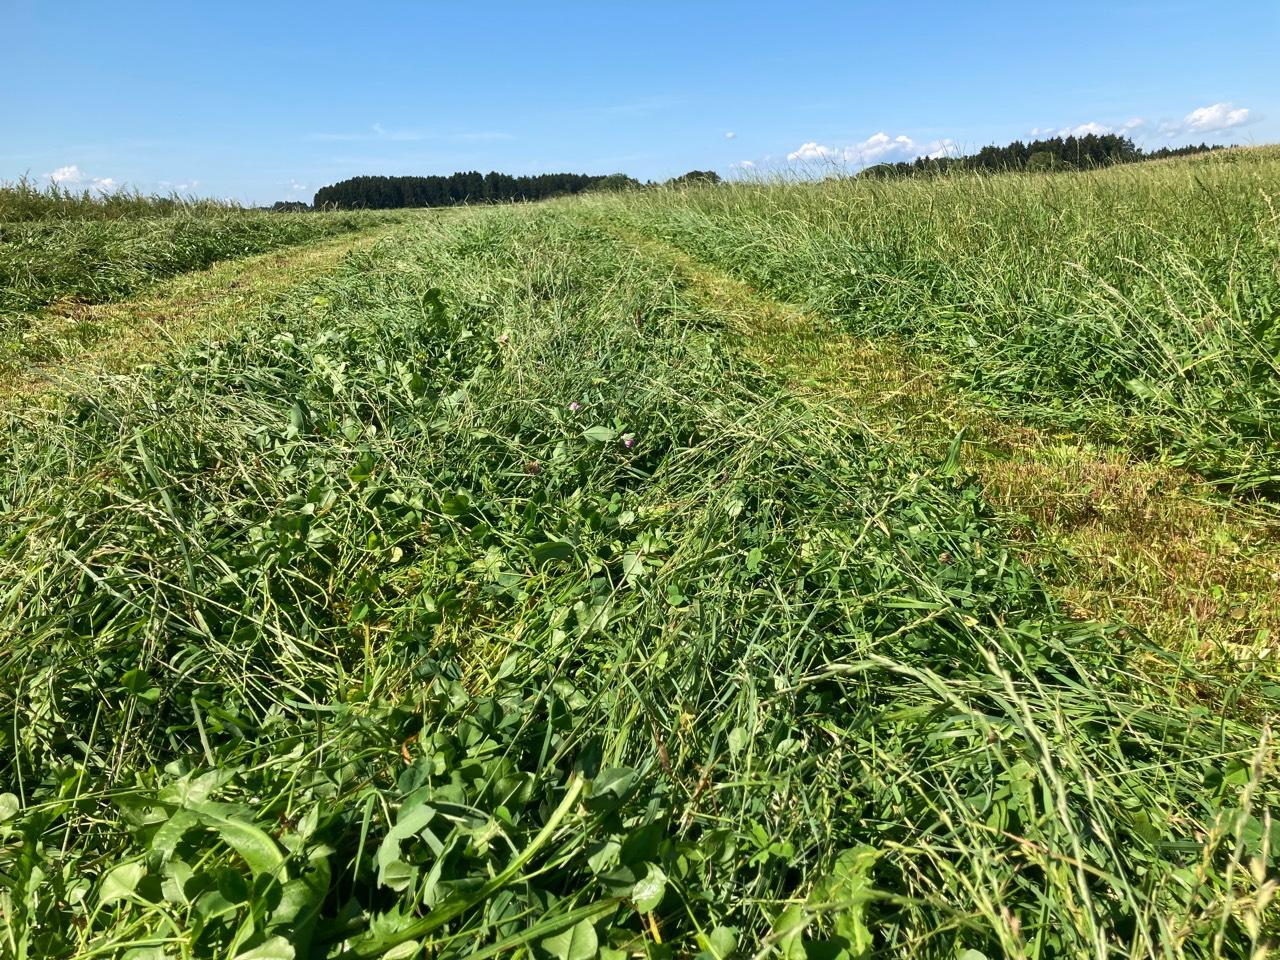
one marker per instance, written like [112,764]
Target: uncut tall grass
[1140,303]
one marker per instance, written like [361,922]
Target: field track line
[68,345]
[1129,539]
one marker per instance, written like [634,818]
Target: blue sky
[270,100]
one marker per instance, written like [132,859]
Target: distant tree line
[1054,153]
[384,193]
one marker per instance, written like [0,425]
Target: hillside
[843,569]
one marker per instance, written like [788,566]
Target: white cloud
[881,146]
[813,150]
[878,148]
[376,132]
[746,164]
[71,176]
[68,174]
[1210,119]
[1218,116]
[1093,127]
[730,135]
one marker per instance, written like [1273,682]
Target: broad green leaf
[277,948]
[788,932]
[952,463]
[412,817]
[579,942]
[614,780]
[259,851]
[302,897]
[649,889]
[9,806]
[600,434]
[552,550]
[845,893]
[171,832]
[720,942]
[177,873]
[632,566]
[120,882]
[603,856]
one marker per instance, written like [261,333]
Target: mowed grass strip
[68,344]
[1122,537]
[100,260]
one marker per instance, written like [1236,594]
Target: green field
[61,246]
[817,570]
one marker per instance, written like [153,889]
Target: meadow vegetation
[541,582]
[1137,302]
[58,245]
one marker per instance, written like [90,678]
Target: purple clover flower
[628,440]
[575,407]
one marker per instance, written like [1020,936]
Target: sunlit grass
[363,632]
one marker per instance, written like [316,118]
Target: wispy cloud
[481,136]
[378,133]
[730,135]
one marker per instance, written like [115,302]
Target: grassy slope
[69,345]
[352,616]
[1121,537]
[86,260]
[1136,304]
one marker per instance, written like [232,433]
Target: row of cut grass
[68,346]
[1121,538]
[95,261]
[1133,304]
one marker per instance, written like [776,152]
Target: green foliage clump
[1091,151]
